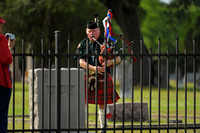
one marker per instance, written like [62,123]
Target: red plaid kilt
[100,91]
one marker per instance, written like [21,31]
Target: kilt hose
[100,91]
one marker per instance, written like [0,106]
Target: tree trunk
[125,12]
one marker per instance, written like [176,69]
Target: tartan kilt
[100,91]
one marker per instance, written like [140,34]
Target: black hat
[92,25]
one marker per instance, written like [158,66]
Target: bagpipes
[110,42]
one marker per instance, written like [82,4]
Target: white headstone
[44,105]
[128,79]
[190,78]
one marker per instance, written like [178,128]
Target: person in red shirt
[5,77]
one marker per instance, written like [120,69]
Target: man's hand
[91,68]
[100,70]
[109,63]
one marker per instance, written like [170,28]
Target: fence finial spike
[159,34]
[42,36]
[32,46]
[68,35]
[159,39]
[194,38]
[49,46]
[168,45]
[141,37]
[177,36]
[22,35]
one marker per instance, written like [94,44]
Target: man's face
[93,33]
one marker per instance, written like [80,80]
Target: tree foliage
[148,18]
[34,17]
[167,21]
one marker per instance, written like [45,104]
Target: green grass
[19,108]
[20,95]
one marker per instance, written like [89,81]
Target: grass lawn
[21,94]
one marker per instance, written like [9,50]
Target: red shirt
[5,60]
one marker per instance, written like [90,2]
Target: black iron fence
[174,107]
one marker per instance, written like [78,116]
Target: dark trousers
[5,95]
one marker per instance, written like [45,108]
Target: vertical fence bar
[23,81]
[105,88]
[177,54]
[96,82]
[49,51]
[159,67]
[58,86]
[78,80]
[58,78]
[69,74]
[132,105]
[185,71]
[194,73]
[123,71]
[13,89]
[141,82]
[33,84]
[87,77]
[42,65]
[168,86]
[114,94]
[150,88]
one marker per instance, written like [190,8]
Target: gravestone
[128,79]
[46,103]
[128,111]
[190,78]
[29,64]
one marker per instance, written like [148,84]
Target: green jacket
[82,51]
